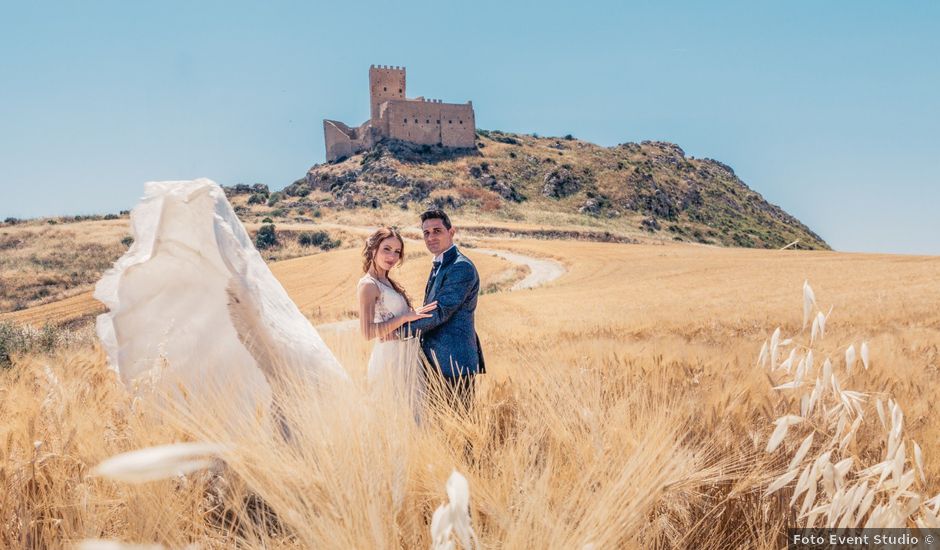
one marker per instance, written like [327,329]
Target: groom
[448,336]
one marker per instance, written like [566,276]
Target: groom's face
[437,237]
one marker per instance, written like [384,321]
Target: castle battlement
[393,115]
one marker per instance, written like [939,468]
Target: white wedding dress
[395,365]
[193,305]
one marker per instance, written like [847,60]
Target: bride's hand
[420,313]
[430,307]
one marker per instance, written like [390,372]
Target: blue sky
[829,109]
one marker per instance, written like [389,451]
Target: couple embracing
[443,327]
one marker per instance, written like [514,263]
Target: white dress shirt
[440,257]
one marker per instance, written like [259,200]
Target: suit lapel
[448,259]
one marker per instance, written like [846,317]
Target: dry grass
[623,408]
[41,263]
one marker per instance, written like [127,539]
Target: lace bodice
[389,303]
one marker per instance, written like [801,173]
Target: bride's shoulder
[368,289]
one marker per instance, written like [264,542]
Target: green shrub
[273,199]
[257,198]
[266,237]
[16,339]
[11,341]
[319,239]
[506,139]
[127,241]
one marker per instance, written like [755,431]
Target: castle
[416,120]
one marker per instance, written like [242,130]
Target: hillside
[634,190]
[509,185]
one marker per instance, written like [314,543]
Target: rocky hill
[633,189]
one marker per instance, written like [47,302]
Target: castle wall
[430,122]
[414,121]
[343,141]
[458,125]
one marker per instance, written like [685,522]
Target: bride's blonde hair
[372,246]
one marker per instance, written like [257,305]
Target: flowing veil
[192,302]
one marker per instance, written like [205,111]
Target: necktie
[427,287]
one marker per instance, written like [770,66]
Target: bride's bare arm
[368,294]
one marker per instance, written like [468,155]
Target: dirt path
[541,271]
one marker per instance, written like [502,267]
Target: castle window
[438,122]
[399,90]
[406,121]
[461,122]
[427,121]
[416,121]
[450,122]
[384,88]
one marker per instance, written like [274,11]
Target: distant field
[42,263]
[323,286]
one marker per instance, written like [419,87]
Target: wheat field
[624,407]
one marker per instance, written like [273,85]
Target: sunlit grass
[624,407]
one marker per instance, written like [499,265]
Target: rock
[503,138]
[658,203]
[722,167]
[692,198]
[504,190]
[445,202]
[591,206]
[560,183]
[650,224]
[630,147]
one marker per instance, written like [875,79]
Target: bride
[384,307]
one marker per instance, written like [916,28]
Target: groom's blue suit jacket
[449,337]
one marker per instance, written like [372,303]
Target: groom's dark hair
[436,215]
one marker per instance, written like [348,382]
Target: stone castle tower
[393,115]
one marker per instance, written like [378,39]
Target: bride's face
[388,254]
